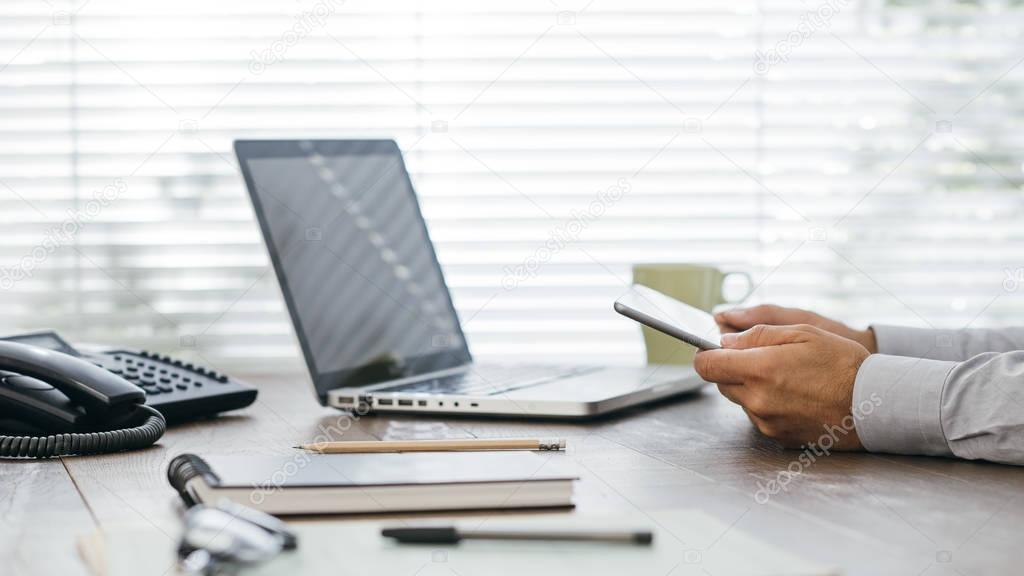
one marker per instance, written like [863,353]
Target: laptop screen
[354,260]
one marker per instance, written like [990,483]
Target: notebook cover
[348,470]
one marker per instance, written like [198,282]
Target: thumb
[744,318]
[735,318]
[762,335]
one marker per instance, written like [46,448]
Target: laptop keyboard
[492,380]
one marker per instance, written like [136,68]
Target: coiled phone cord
[145,434]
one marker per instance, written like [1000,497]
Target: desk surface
[868,514]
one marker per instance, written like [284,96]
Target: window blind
[861,158]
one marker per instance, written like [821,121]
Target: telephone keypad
[180,390]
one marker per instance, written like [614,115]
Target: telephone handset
[61,405]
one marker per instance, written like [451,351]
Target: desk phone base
[179,390]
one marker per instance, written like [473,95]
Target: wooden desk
[869,514]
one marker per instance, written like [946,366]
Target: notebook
[374,483]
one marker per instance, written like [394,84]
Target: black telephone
[59,404]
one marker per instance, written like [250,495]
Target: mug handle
[750,286]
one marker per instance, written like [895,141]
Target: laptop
[370,306]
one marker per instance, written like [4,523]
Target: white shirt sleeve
[946,344]
[936,404]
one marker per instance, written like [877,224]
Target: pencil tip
[297,447]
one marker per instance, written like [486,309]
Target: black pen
[452,535]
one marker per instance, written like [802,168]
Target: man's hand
[792,381]
[739,319]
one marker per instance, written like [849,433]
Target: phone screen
[48,340]
[670,316]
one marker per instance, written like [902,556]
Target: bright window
[863,158]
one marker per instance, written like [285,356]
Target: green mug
[697,285]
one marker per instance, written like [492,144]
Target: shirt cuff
[917,342]
[896,405]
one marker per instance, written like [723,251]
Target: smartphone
[670,316]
